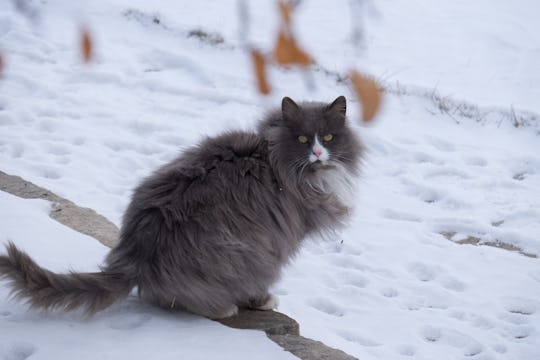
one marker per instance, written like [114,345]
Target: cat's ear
[289,109]
[339,105]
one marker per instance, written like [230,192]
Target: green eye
[302,139]
[328,137]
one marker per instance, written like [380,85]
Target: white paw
[270,304]
[233,310]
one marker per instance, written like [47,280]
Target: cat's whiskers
[297,167]
[339,157]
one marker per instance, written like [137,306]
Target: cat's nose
[317,152]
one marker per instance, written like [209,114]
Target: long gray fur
[212,229]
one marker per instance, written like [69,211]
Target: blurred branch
[26,8]
[357,32]
[244,23]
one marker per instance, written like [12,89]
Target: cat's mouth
[320,165]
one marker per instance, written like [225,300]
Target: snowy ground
[438,170]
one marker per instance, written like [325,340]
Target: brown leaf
[285,11]
[287,52]
[368,93]
[86,46]
[260,72]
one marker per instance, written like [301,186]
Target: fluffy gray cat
[210,231]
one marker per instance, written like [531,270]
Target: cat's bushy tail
[44,289]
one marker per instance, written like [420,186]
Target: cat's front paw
[233,310]
[271,302]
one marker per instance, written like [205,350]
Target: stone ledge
[278,327]
[285,332]
[309,349]
[271,322]
[83,220]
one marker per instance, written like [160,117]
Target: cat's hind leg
[213,310]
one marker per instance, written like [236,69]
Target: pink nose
[317,152]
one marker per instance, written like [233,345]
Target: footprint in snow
[429,297]
[50,173]
[342,279]
[57,150]
[476,161]
[514,318]
[499,348]
[431,333]
[434,274]
[517,315]
[406,350]
[144,128]
[407,140]
[521,306]
[327,306]
[447,172]
[422,192]
[475,320]
[423,272]
[400,216]
[346,262]
[440,336]
[424,158]
[518,332]
[452,283]
[357,339]
[353,278]
[389,292]
[19,351]
[358,282]
[441,145]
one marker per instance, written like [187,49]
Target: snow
[438,170]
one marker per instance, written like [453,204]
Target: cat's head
[307,138]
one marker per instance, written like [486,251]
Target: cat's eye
[302,139]
[328,137]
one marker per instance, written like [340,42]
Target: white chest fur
[338,181]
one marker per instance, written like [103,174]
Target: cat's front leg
[231,311]
[266,302]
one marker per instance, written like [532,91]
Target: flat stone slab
[309,349]
[86,221]
[271,322]
[83,220]
[285,332]
[17,186]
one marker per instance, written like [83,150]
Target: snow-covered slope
[437,171]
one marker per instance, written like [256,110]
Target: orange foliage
[285,11]
[368,93]
[1,64]
[86,46]
[260,72]
[287,52]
